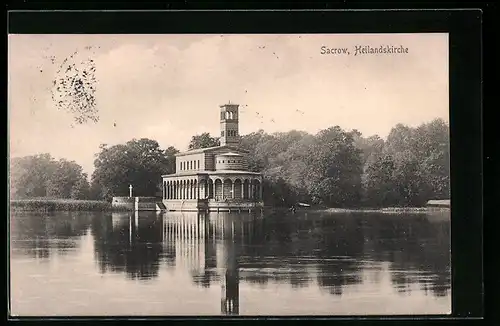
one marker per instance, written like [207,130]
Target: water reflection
[123,242]
[40,235]
[208,247]
[339,254]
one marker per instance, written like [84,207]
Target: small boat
[303,205]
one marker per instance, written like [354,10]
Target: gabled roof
[211,149]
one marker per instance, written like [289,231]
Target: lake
[152,264]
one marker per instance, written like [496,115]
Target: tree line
[335,168]
[41,176]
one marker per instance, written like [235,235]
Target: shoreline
[386,210]
[47,205]
[383,210]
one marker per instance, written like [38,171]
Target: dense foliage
[43,176]
[138,162]
[203,141]
[343,169]
[335,168]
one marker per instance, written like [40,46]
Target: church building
[215,178]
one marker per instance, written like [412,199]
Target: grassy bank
[48,205]
[388,210]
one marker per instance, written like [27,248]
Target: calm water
[83,264]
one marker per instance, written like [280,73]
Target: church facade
[215,178]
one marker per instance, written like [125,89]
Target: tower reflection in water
[208,245]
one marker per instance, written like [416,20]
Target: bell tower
[229,131]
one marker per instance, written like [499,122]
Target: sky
[169,87]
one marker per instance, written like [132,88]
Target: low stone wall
[133,203]
[123,203]
[184,205]
[203,205]
[148,199]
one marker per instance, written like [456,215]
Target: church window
[222,133]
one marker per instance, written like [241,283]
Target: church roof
[210,149]
[229,154]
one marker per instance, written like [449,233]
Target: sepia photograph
[229,174]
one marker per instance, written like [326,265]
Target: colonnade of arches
[216,188]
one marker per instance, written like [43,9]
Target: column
[250,189]
[198,190]
[260,191]
[243,189]
[232,189]
[222,190]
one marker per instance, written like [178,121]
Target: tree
[432,150]
[372,145]
[203,141]
[170,153]
[139,163]
[334,168]
[42,176]
[81,188]
[421,162]
[29,175]
[379,182]
[65,176]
